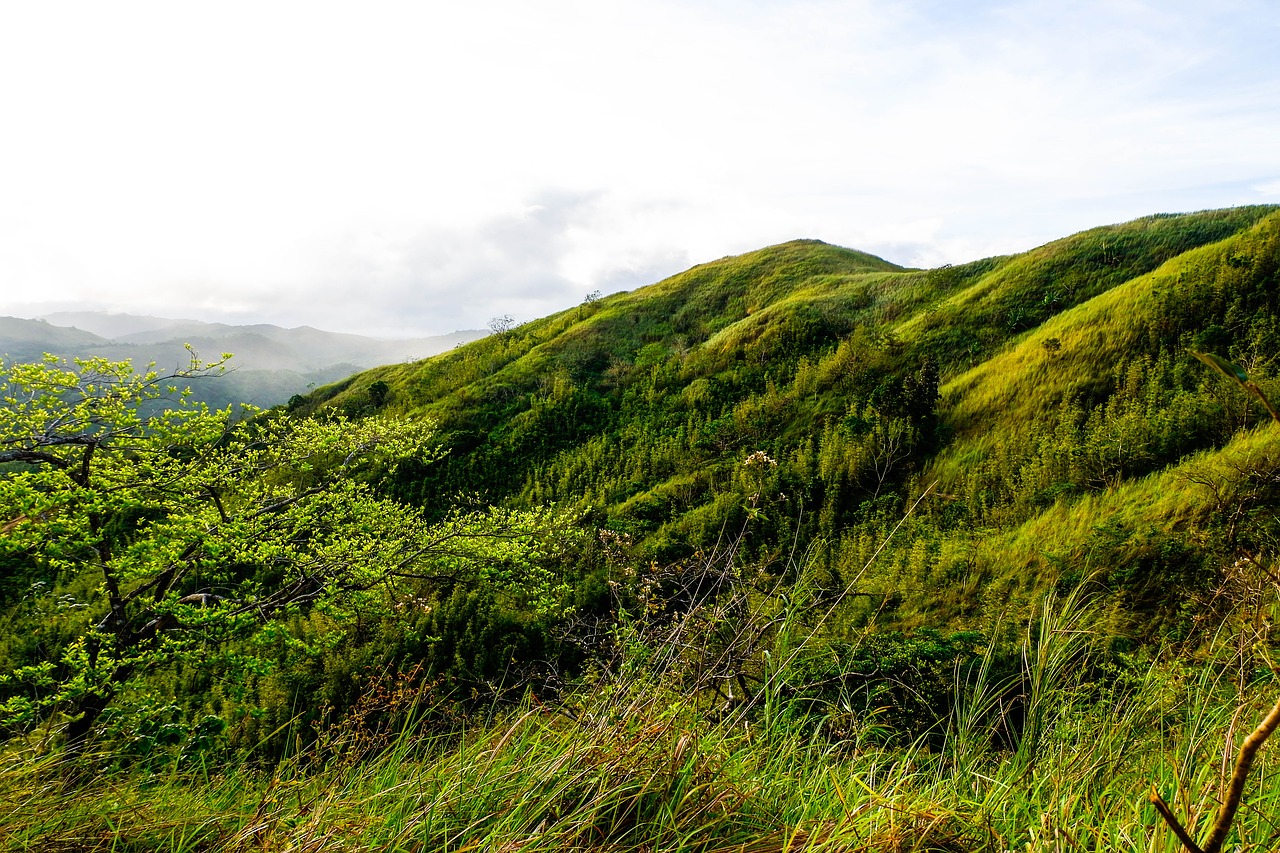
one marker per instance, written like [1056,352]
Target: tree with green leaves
[202,526]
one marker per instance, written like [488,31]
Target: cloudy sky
[413,168]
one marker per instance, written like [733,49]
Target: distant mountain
[270,363]
[113,326]
[27,336]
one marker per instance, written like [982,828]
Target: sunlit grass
[1050,757]
[1056,752]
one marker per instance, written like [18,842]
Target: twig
[1172,819]
[1235,790]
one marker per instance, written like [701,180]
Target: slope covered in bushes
[793,550]
[1004,390]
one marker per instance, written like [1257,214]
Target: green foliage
[1011,385]
[636,764]
[902,685]
[174,539]
[832,533]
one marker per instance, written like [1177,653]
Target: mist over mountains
[269,364]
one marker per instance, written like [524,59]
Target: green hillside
[796,550]
[1011,390]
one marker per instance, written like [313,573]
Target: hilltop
[1042,407]
[795,549]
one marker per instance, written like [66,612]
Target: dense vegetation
[794,548]
[1042,402]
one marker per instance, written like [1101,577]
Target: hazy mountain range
[270,363]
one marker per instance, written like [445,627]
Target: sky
[401,169]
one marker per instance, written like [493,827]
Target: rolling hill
[1039,412]
[796,548]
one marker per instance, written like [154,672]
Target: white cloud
[1269,189]
[398,165]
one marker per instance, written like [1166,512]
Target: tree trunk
[90,708]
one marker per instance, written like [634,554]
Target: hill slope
[1015,393]
[790,475]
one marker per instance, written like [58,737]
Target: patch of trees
[229,549]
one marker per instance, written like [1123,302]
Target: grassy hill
[1011,390]
[837,556]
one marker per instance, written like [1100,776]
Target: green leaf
[1227,368]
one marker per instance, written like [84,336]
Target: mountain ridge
[271,363]
[986,528]
[866,383]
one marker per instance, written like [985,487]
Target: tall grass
[1054,753]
